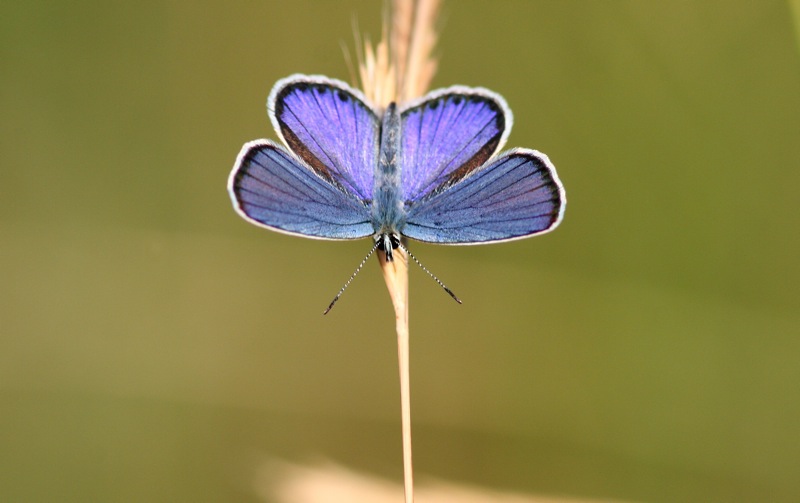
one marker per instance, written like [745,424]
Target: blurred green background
[155,347]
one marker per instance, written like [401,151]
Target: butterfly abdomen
[388,210]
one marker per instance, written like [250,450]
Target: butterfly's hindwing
[328,125]
[449,133]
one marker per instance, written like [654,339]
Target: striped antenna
[358,269]
[402,247]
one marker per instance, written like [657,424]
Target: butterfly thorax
[388,210]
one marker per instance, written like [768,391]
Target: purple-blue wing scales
[447,134]
[271,188]
[516,195]
[329,126]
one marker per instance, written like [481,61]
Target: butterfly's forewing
[330,126]
[449,133]
[270,188]
[514,196]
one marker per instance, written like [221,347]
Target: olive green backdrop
[155,347]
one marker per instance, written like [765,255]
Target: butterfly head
[386,242]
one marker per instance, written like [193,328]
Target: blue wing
[447,134]
[330,127]
[514,196]
[270,188]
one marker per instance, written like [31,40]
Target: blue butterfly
[425,170]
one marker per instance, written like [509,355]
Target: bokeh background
[155,347]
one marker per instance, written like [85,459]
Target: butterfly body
[388,209]
[426,170]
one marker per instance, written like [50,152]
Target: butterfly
[427,170]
